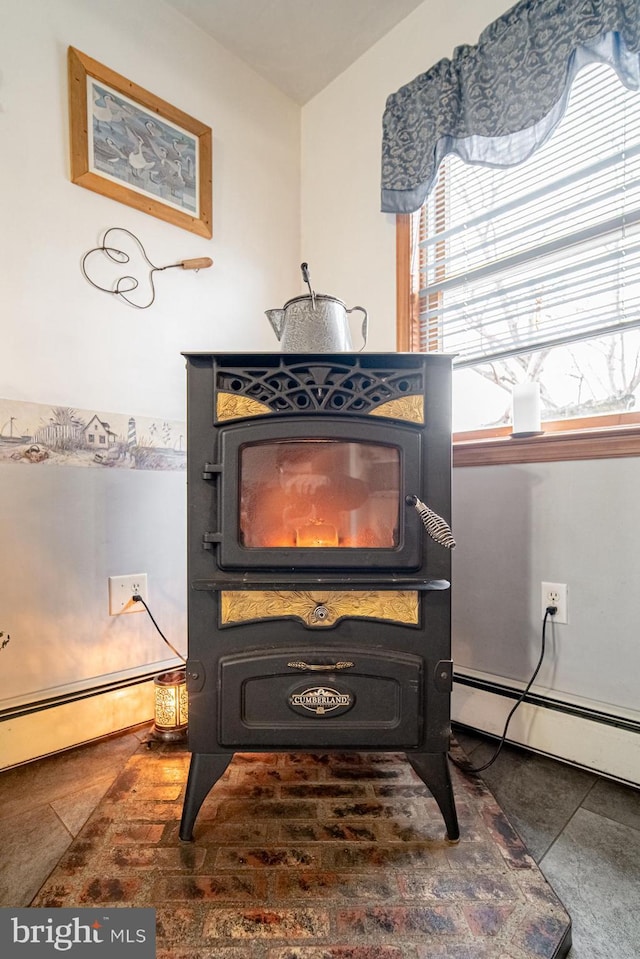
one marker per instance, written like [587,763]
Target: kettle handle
[365,324]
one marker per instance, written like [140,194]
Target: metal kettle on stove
[316,323]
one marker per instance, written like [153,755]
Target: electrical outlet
[555,594]
[122,588]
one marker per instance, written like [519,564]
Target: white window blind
[518,259]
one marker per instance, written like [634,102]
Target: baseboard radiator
[592,736]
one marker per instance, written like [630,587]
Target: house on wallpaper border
[97,433]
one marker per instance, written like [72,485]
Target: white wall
[65,529]
[575,523]
[54,322]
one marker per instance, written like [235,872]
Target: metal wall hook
[126,283]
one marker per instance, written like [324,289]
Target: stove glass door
[311,493]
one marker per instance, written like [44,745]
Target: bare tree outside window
[533,272]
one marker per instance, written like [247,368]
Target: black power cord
[138,599]
[550,611]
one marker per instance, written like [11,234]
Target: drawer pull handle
[320,666]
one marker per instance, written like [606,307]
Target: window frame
[596,437]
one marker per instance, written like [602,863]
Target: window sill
[554,445]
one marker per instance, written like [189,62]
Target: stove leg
[204,771]
[433,769]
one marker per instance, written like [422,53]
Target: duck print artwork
[140,150]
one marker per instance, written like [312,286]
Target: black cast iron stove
[319,611]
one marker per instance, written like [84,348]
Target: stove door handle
[437,528]
[329,667]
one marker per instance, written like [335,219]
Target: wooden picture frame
[132,146]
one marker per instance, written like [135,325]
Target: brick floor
[312,856]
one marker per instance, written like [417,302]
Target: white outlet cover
[555,594]
[122,588]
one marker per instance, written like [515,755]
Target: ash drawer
[333,696]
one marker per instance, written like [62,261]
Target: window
[533,272]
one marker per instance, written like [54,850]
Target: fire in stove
[325,493]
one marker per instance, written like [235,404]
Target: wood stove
[319,611]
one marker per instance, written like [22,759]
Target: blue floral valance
[498,101]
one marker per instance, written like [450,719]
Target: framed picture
[131,146]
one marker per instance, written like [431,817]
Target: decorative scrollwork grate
[320,387]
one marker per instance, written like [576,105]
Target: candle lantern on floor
[170,706]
